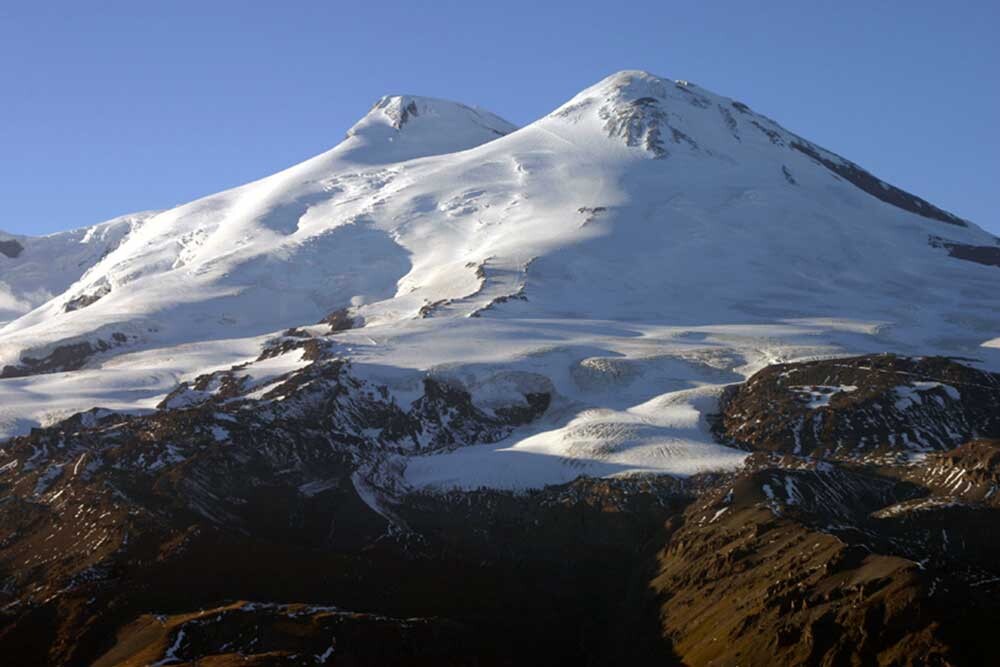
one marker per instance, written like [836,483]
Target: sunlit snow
[632,257]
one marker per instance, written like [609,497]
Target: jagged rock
[87,298]
[862,406]
[987,255]
[63,357]
[339,320]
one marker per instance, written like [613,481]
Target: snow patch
[818,396]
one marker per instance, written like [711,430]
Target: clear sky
[112,107]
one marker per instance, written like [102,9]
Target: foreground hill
[272,527]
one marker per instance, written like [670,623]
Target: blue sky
[112,107]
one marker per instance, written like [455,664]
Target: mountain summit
[656,114]
[402,127]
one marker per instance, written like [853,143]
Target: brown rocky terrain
[263,522]
[862,407]
[777,569]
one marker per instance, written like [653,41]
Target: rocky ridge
[120,528]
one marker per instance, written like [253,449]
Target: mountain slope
[646,237]
[207,266]
[35,269]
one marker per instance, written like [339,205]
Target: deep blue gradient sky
[112,107]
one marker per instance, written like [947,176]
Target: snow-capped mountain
[637,248]
[657,380]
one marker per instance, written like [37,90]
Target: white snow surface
[632,252]
[46,266]
[818,396]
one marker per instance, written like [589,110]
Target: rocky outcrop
[68,357]
[876,187]
[11,248]
[87,298]
[862,407]
[970,473]
[339,320]
[986,255]
[260,519]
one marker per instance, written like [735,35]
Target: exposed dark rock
[877,188]
[294,339]
[727,118]
[516,296]
[324,392]
[132,539]
[339,320]
[11,248]
[191,507]
[81,301]
[296,332]
[639,122]
[694,98]
[863,406]
[87,298]
[445,417]
[480,269]
[592,213]
[988,255]
[679,137]
[397,113]
[428,309]
[409,111]
[62,358]
[773,135]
